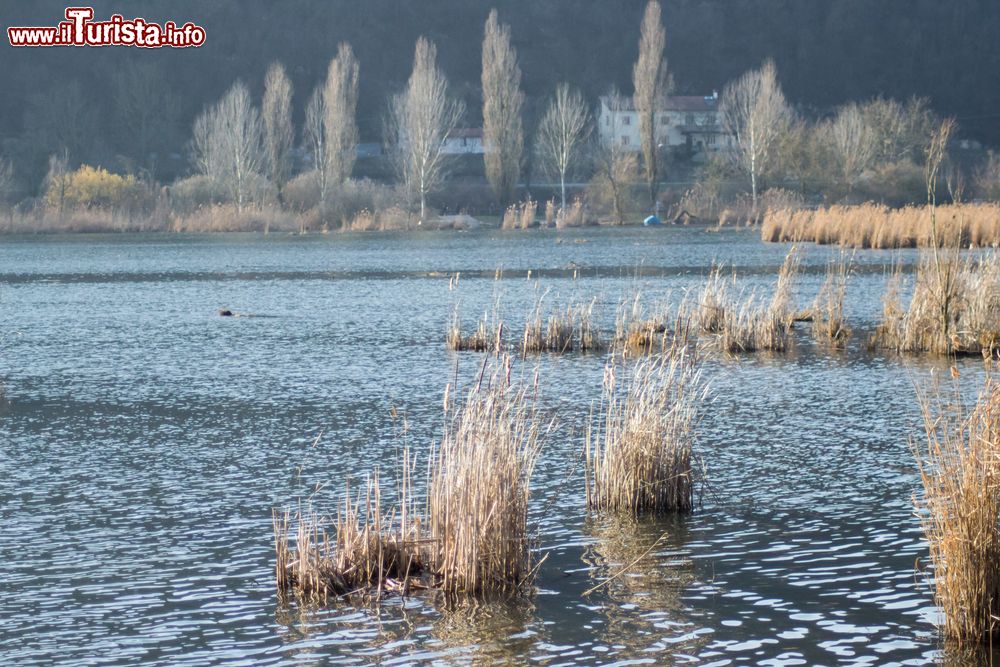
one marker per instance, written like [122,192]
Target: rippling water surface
[144,441]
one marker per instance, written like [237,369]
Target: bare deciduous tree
[340,114]
[278,132]
[419,120]
[227,145]
[315,137]
[616,166]
[650,79]
[852,143]
[754,111]
[562,133]
[503,134]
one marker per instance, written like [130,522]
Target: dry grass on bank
[479,487]
[960,512]
[954,308]
[470,534]
[639,451]
[876,226]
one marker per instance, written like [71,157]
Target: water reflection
[640,567]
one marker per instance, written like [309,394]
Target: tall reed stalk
[479,487]
[639,443]
[960,512]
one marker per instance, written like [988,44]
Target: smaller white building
[688,121]
[464,141]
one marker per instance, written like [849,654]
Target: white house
[464,140]
[690,121]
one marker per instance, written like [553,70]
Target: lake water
[144,441]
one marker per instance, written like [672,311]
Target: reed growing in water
[877,226]
[828,325]
[471,535]
[566,330]
[954,308]
[487,337]
[960,512]
[751,325]
[713,301]
[639,443]
[480,478]
[371,551]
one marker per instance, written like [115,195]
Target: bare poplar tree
[650,80]
[617,167]
[852,143]
[419,120]
[278,132]
[562,134]
[228,144]
[315,137]
[503,134]
[754,111]
[340,115]
[204,152]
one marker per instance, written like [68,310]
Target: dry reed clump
[636,334]
[471,537]
[954,309]
[487,337]
[392,218]
[480,479]
[570,329]
[713,301]
[877,226]
[639,451]
[550,212]
[960,512]
[520,216]
[226,218]
[573,215]
[827,313]
[371,552]
[749,325]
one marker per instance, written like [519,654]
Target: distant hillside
[827,52]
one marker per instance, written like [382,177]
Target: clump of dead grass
[954,307]
[960,512]
[828,324]
[877,226]
[639,451]
[480,480]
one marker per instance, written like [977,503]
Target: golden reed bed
[876,226]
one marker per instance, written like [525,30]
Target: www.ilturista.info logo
[79,29]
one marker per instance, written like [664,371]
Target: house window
[627,120]
[624,140]
[663,119]
[607,119]
[690,119]
[711,140]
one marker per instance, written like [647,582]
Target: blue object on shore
[652,220]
